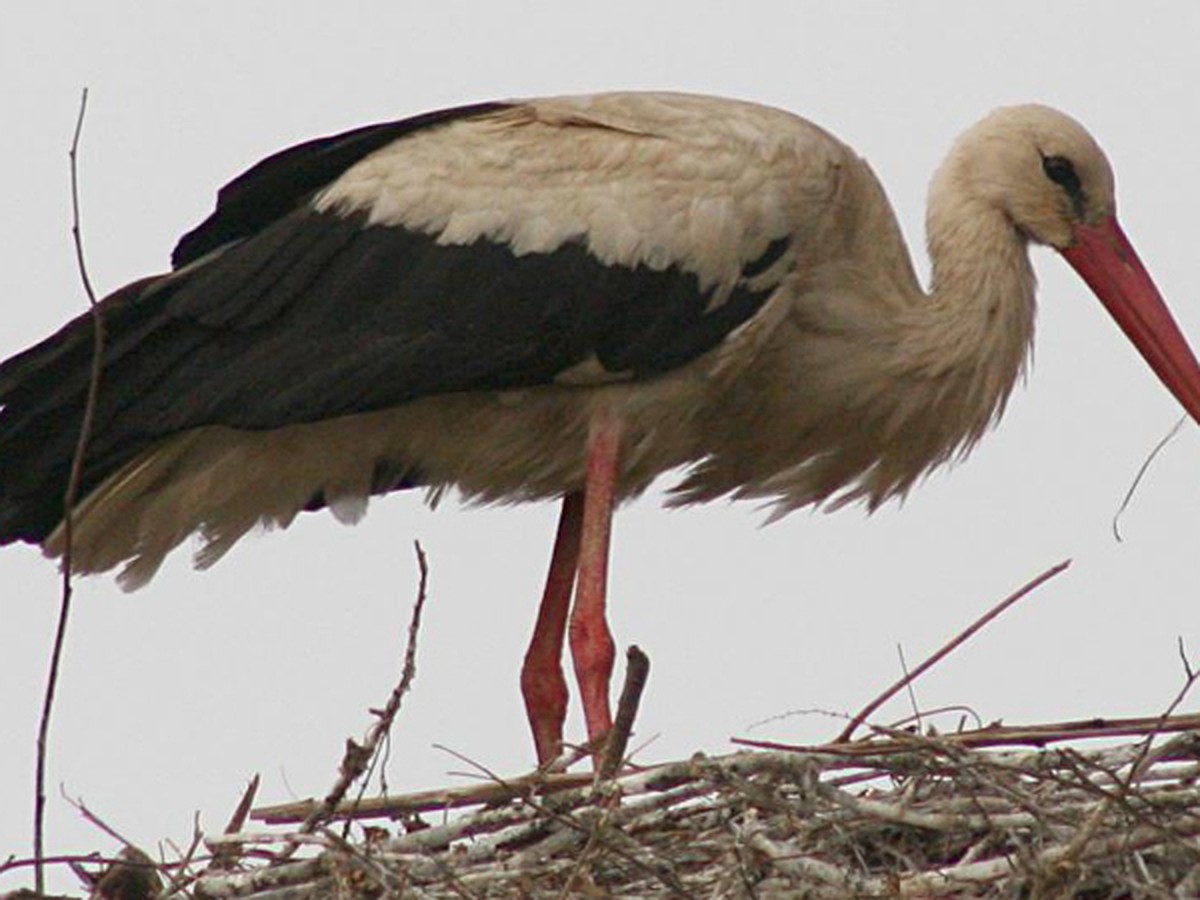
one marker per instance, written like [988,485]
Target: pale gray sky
[173,696]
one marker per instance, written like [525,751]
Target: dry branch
[358,757]
[1041,735]
[637,670]
[948,648]
[906,816]
[69,497]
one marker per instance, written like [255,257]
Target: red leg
[542,682]
[591,643]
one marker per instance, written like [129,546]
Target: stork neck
[981,300]
[961,349]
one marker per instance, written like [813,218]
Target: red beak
[1106,260]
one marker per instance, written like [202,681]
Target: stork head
[1052,181]
[1039,167]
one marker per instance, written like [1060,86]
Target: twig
[97,821]
[238,819]
[1188,671]
[498,791]
[68,859]
[133,874]
[228,854]
[392,886]
[427,801]
[590,830]
[967,820]
[912,695]
[1000,735]
[182,876]
[132,866]
[637,669]
[321,838]
[919,717]
[89,412]
[1137,769]
[1141,473]
[959,639]
[490,774]
[358,756]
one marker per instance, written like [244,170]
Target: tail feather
[221,483]
[43,394]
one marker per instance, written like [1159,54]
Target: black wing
[300,315]
[270,189]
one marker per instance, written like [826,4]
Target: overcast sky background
[172,697]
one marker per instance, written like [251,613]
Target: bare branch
[225,857]
[85,427]
[1187,666]
[941,819]
[441,799]
[358,756]
[183,874]
[947,649]
[1140,765]
[97,821]
[999,735]
[912,695]
[637,670]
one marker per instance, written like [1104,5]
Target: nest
[907,816]
[1002,811]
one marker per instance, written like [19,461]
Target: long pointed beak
[1106,260]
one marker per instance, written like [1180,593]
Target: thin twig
[68,859]
[1141,473]
[1137,769]
[959,639]
[998,735]
[238,819]
[182,874]
[919,717]
[1190,676]
[228,854]
[491,792]
[89,412]
[496,791]
[970,822]
[591,831]
[1188,671]
[358,756]
[912,695]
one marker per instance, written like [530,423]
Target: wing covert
[286,309]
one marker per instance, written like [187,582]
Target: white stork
[563,298]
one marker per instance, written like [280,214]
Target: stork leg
[542,682]
[591,642]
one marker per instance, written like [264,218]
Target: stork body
[563,298]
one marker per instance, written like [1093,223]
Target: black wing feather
[310,315]
[279,183]
[366,317]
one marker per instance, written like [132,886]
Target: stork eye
[1062,172]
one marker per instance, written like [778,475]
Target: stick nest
[906,816]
